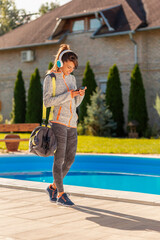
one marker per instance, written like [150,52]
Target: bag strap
[49,109]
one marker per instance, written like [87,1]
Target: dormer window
[78,26]
[94,23]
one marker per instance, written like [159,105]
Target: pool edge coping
[145,155]
[123,196]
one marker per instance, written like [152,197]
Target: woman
[64,123]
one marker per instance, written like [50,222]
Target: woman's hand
[82,91]
[75,93]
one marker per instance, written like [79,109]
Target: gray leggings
[65,154]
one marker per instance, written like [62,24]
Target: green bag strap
[44,114]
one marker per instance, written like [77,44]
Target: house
[104,32]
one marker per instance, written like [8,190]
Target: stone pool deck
[27,213]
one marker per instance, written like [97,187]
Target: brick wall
[102,53]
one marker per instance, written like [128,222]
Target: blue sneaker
[64,200]
[52,193]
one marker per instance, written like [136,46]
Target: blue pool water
[125,173]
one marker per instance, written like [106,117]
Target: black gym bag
[43,142]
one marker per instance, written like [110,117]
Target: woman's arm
[78,98]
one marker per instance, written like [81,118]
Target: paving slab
[26,214]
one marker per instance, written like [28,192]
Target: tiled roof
[136,12]
[37,31]
[147,10]
[152,9]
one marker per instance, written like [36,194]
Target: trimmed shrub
[99,120]
[50,66]
[137,104]
[19,100]
[90,82]
[80,129]
[114,99]
[34,103]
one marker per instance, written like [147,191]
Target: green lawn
[117,145]
[90,144]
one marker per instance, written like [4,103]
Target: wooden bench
[11,140]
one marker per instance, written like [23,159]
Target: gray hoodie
[64,105]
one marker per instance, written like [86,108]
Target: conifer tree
[90,82]
[50,65]
[19,100]
[99,120]
[34,104]
[137,103]
[114,98]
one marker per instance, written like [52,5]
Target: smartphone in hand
[81,88]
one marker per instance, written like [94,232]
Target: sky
[32,6]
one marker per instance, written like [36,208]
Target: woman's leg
[71,148]
[66,146]
[61,135]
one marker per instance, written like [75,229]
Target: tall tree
[19,100]
[34,103]
[46,7]
[137,103]
[90,82]
[114,98]
[10,16]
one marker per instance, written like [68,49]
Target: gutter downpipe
[135,47]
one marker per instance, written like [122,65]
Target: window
[102,85]
[78,26]
[27,56]
[94,23]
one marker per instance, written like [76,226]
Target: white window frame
[81,30]
[93,29]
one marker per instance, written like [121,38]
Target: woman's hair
[71,56]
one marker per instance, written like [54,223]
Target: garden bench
[11,140]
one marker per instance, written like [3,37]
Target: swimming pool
[136,174]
